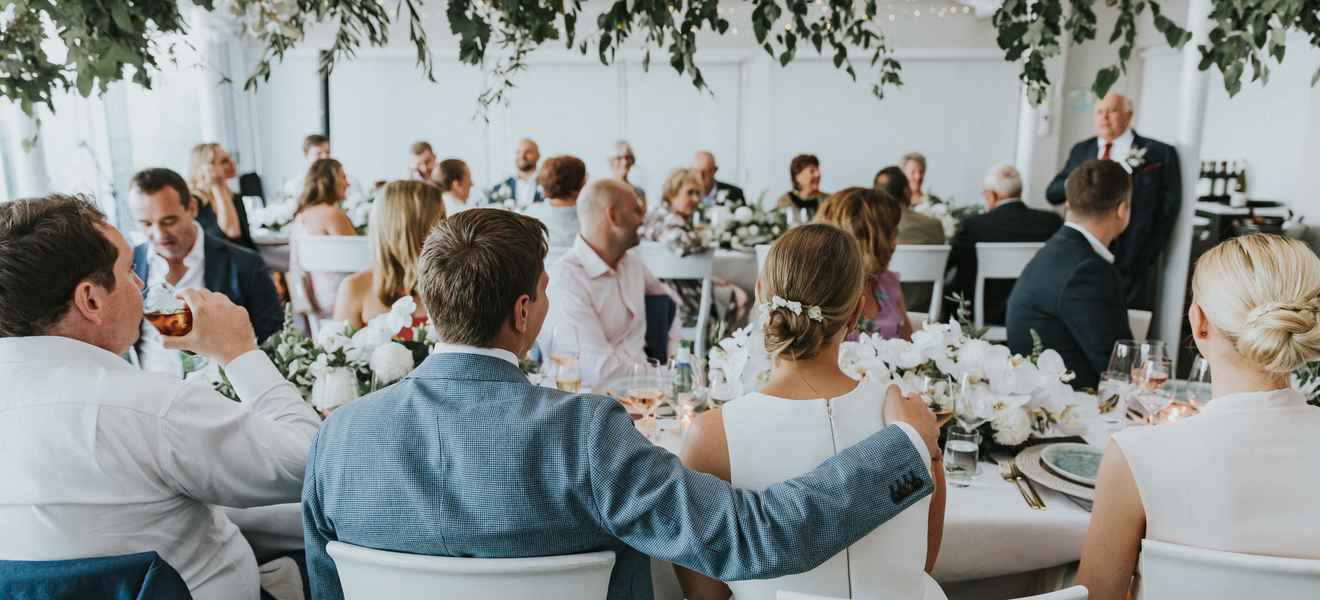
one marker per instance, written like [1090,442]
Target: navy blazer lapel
[217,265]
[142,261]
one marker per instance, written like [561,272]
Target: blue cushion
[142,576]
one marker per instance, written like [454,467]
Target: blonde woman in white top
[807,411]
[1243,475]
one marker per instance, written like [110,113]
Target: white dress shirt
[500,353]
[152,353]
[453,205]
[606,306]
[524,190]
[101,459]
[1122,146]
[1094,241]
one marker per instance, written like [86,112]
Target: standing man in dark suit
[1006,220]
[1156,194]
[1071,294]
[714,192]
[520,189]
[178,252]
[465,457]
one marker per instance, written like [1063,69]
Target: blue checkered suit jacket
[464,457]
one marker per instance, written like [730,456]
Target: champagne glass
[165,311]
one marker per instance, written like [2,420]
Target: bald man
[714,192]
[599,289]
[520,189]
[1156,194]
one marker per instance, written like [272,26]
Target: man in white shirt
[102,459]
[315,147]
[600,289]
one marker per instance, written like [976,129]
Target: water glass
[1114,394]
[961,464]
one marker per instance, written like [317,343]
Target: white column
[30,177]
[1195,83]
[1025,158]
[214,56]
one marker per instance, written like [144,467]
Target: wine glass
[934,391]
[1149,380]
[687,391]
[969,405]
[1198,389]
[564,358]
[643,394]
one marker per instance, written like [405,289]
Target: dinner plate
[1079,463]
[1028,461]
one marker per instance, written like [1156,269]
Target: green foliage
[963,314]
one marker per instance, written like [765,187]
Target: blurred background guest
[400,221]
[914,167]
[220,210]
[319,213]
[804,175]
[872,217]
[422,161]
[913,229]
[622,161]
[314,147]
[454,178]
[714,191]
[562,179]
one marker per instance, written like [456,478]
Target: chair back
[666,264]
[1175,571]
[332,253]
[141,576]
[762,252]
[367,574]
[999,261]
[787,595]
[923,264]
[1076,592]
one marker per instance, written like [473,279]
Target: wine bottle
[1238,196]
[1203,183]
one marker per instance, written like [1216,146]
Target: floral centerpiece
[341,363]
[1014,396]
[743,227]
[949,214]
[275,217]
[1306,380]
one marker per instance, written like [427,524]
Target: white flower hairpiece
[813,312]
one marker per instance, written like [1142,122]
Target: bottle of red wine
[1203,183]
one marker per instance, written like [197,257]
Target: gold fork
[1017,472]
[1006,471]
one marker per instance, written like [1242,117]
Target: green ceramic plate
[1074,462]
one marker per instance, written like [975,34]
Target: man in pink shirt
[599,289]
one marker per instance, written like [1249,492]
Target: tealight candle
[1175,412]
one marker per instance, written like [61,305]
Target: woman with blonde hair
[872,217]
[319,213]
[1255,301]
[807,410]
[220,211]
[400,221]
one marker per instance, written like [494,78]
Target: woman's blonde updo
[1263,292]
[816,265]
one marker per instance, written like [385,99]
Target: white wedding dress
[772,440]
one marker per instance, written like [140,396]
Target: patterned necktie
[1105,155]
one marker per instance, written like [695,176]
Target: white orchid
[333,336]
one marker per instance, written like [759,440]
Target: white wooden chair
[323,254]
[368,574]
[923,264]
[665,264]
[1139,321]
[762,252]
[1174,571]
[1075,592]
[999,261]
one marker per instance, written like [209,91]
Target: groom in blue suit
[465,457]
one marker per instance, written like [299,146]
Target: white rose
[743,214]
[1012,427]
[334,388]
[754,230]
[390,362]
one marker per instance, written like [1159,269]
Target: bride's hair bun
[1263,292]
[815,265]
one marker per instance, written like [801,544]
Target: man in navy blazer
[180,253]
[1071,294]
[1156,194]
[464,457]
[521,188]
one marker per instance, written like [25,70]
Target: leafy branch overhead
[110,40]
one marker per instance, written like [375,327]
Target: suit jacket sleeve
[1091,306]
[1170,198]
[263,303]
[1056,193]
[322,576]
[645,497]
[962,261]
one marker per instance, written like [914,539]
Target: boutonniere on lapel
[1135,159]
[722,197]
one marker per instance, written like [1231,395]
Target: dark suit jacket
[1156,197]
[537,196]
[142,576]
[210,224]
[1073,299]
[1012,222]
[235,272]
[465,457]
[735,192]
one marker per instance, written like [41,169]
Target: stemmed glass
[645,390]
[934,391]
[961,449]
[1149,380]
[564,355]
[1198,389]
[685,396]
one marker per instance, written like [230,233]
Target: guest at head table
[319,213]
[1253,317]
[180,253]
[600,288]
[914,168]
[521,187]
[1007,219]
[400,221]
[481,463]
[872,217]
[672,226]
[914,228]
[806,195]
[562,179]
[713,191]
[454,178]
[103,459]
[622,161]
[807,407]
[1070,293]
[220,210]
[422,165]
[314,147]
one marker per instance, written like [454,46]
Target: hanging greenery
[108,40]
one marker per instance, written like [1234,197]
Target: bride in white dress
[805,413]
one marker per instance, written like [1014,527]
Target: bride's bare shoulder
[705,448]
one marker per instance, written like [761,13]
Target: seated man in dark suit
[1006,220]
[465,457]
[1071,294]
[178,252]
[713,191]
